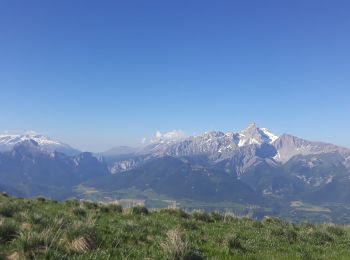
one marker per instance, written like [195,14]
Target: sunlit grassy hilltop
[42,229]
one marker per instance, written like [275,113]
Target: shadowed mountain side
[180,180]
[30,171]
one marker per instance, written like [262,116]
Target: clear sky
[97,74]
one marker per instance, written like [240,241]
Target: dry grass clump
[83,244]
[13,256]
[177,246]
[81,235]
[26,226]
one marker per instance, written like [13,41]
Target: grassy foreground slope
[41,229]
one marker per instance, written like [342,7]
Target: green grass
[44,229]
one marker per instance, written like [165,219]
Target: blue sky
[97,74]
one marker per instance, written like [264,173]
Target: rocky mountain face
[241,149]
[216,146]
[288,146]
[30,170]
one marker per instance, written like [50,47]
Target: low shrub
[257,224]
[216,216]
[189,225]
[320,237]
[274,221]
[8,209]
[72,202]
[175,212]
[41,199]
[115,208]
[90,205]
[139,210]
[286,233]
[335,230]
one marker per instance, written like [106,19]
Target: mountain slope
[29,170]
[178,179]
[288,146]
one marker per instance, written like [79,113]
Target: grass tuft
[176,246]
[201,216]
[80,212]
[335,230]
[8,230]
[233,244]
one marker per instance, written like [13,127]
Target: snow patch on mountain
[271,136]
[256,135]
[9,141]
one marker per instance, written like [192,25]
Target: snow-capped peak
[251,135]
[255,135]
[13,139]
[215,144]
[9,141]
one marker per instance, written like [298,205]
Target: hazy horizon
[102,75]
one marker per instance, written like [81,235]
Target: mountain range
[9,141]
[254,167]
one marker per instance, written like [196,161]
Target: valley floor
[43,229]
